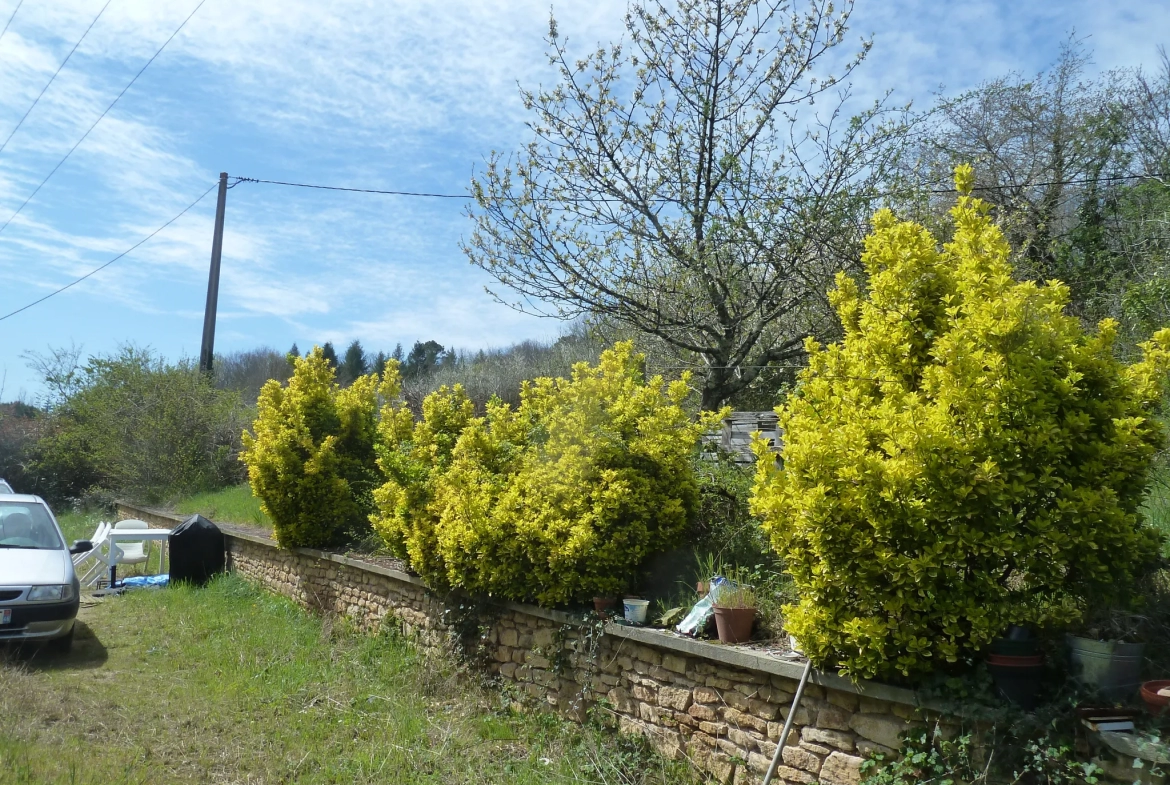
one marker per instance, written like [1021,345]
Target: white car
[5,487]
[39,592]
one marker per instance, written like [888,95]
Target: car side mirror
[81,546]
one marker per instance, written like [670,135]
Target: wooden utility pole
[208,349]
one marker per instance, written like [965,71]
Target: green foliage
[964,459]
[353,364]
[311,460]
[724,527]
[559,499]
[423,359]
[413,457]
[931,755]
[136,425]
[330,354]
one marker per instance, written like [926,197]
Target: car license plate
[5,615]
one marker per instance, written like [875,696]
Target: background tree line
[133,424]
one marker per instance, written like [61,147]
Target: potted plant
[1016,664]
[604,605]
[1108,657]
[735,612]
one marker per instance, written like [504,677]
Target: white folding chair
[98,539]
[89,565]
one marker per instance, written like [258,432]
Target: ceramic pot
[1155,703]
[604,604]
[734,624]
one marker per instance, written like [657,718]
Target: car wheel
[62,645]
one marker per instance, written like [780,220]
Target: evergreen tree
[293,355]
[423,358]
[353,365]
[329,354]
[397,355]
[380,364]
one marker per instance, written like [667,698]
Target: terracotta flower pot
[1155,703]
[734,624]
[604,604]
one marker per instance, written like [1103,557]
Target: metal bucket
[1113,668]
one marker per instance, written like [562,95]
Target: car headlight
[50,593]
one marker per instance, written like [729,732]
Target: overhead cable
[1075,181]
[14,10]
[239,180]
[54,76]
[116,258]
[100,117]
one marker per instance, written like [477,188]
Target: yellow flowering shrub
[965,458]
[311,460]
[560,499]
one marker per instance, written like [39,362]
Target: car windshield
[5,487]
[27,525]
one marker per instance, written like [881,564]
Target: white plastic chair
[130,552]
[89,565]
[98,539]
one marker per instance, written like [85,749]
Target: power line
[116,258]
[1075,181]
[54,76]
[14,10]
[239,180]
[102,116]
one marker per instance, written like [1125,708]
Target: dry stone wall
[723,708]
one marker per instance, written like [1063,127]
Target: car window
[24,525]
[5,487]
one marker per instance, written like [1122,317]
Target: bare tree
[248,371]
[1044,148]
[685,185]
[1149,111]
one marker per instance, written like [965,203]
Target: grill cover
[197,551]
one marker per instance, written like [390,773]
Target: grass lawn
[230,684]
[230,505]
[80,525]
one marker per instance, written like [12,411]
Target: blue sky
[404,95]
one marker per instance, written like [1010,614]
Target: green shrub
[133,424]
[559,499]
[311,460]
[964,459]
